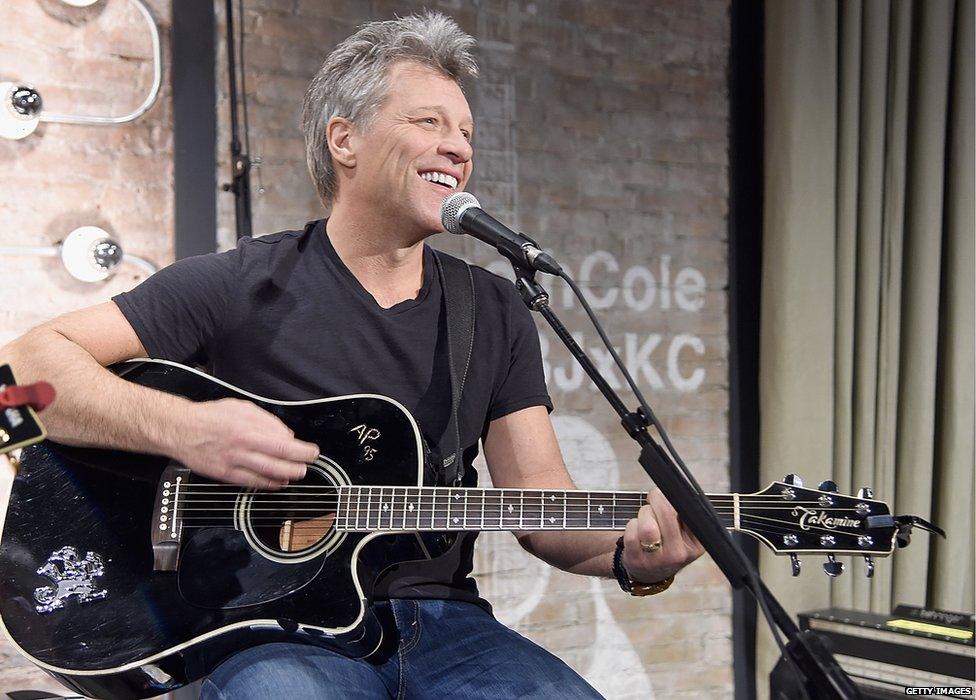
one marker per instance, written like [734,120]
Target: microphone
[462,213]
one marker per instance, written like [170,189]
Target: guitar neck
[409,508]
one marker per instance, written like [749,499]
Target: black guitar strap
[457,286]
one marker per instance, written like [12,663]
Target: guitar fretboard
[412,508]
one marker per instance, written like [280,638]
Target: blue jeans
[446,649]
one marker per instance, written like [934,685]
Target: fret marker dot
[600,510]
[386,506]
[552,497]
[410,507]
[511,508]
[552,520]
[457,496]
[455,521]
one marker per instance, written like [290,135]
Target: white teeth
[442,178]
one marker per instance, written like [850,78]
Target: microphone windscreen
[452,208]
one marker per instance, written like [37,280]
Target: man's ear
[338,133]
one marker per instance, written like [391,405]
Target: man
[353,304]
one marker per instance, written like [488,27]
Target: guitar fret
[588,510]
[368,499]
[455,498]
[464,525]
[359,509]
[483,499]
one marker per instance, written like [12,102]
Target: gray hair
[353,81]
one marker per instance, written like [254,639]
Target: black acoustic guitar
[124,575]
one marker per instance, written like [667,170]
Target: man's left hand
[656,543]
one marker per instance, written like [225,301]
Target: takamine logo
[810,517]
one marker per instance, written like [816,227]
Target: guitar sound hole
[296,519]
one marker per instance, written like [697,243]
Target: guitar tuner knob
[793,480]
[795,564]
[832,567]
[865,492]
[828,486]
[869,566]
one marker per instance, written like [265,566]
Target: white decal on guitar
[70,576]
[365,434]
[809,517]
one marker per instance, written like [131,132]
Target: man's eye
[430,120]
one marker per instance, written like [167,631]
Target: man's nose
[456,147]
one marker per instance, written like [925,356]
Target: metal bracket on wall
[88,253]
[21,107]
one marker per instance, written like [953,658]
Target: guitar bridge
[167,528]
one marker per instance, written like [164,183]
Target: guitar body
[124,575]
[86,595]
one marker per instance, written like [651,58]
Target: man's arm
[522,452]
[229,440]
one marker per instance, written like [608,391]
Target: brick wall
[604,141]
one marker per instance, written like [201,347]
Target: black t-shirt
[281,316]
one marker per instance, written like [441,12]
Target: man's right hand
[237,442]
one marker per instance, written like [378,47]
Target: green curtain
[867,335]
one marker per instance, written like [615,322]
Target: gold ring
[650,546]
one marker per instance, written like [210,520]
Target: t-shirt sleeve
[177,312]
[524,385]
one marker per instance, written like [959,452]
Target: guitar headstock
[794,520]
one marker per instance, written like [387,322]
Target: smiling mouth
[438,178]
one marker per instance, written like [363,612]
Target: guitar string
[360,505]
[379,527]
[347,509]
[352,488]
[541,516]
[598,496]
[477,496]
[235,490]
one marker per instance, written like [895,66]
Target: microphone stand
[818,672]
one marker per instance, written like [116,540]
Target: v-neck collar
[332,257]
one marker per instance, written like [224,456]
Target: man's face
[416,151]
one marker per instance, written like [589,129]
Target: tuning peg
[828,486]
[793,480]
[832,567]
[865,492]
[869,566]
[795,564]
